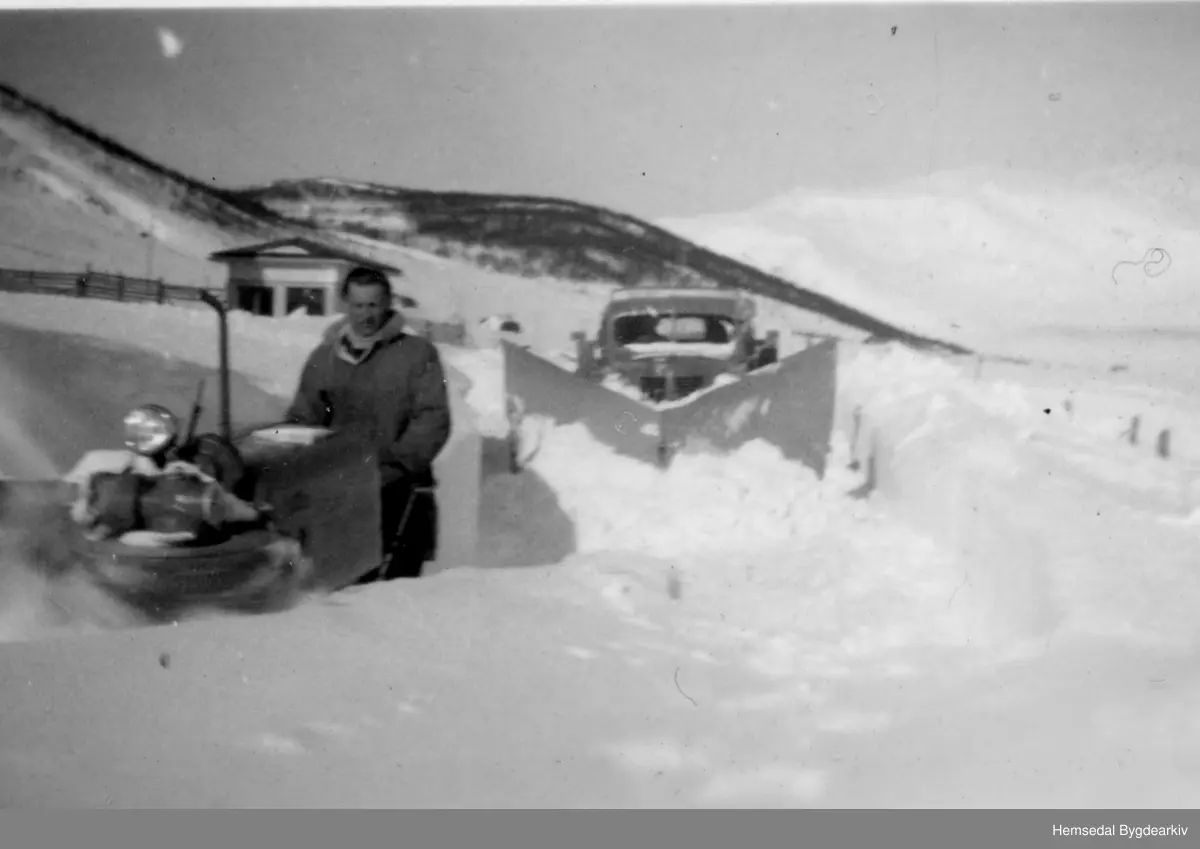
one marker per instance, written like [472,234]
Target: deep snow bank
[704,503]
[946,465]
[755,540]
[1050,528]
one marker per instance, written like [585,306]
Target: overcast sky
[653,111]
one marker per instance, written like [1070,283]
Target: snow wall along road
[942,454]
[1050,527]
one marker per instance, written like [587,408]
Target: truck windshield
[647,328]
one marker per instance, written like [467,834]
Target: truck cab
[673,342]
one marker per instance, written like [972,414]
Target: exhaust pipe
[226,423]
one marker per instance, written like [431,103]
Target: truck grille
[655,388]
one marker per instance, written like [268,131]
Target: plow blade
[789,405]
[537,387]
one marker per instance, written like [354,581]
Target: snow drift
[1021,499]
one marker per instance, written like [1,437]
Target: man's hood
[393,328]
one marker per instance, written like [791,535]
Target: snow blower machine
[177,521]
[676,370]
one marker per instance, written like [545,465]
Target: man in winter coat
[371,378]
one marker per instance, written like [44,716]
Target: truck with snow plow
[674,370]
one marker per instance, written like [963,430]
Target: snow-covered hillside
[986,256]
[71,198]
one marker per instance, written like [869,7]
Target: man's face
[368,306]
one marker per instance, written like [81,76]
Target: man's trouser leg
[409,529]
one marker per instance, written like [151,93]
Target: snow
[1024,499]
[175,231]
[732,631]
[58,186]
[74,237]
[987,253]
[706,510]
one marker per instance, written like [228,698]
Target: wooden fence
[97,284]
[117,287]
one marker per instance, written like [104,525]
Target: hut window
[258,300]
[310,300]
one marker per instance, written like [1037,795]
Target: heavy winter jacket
[392,394]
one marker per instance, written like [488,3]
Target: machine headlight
[150,429]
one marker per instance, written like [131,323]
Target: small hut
[278,278]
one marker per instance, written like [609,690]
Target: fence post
[1164,443]
[1131,434]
